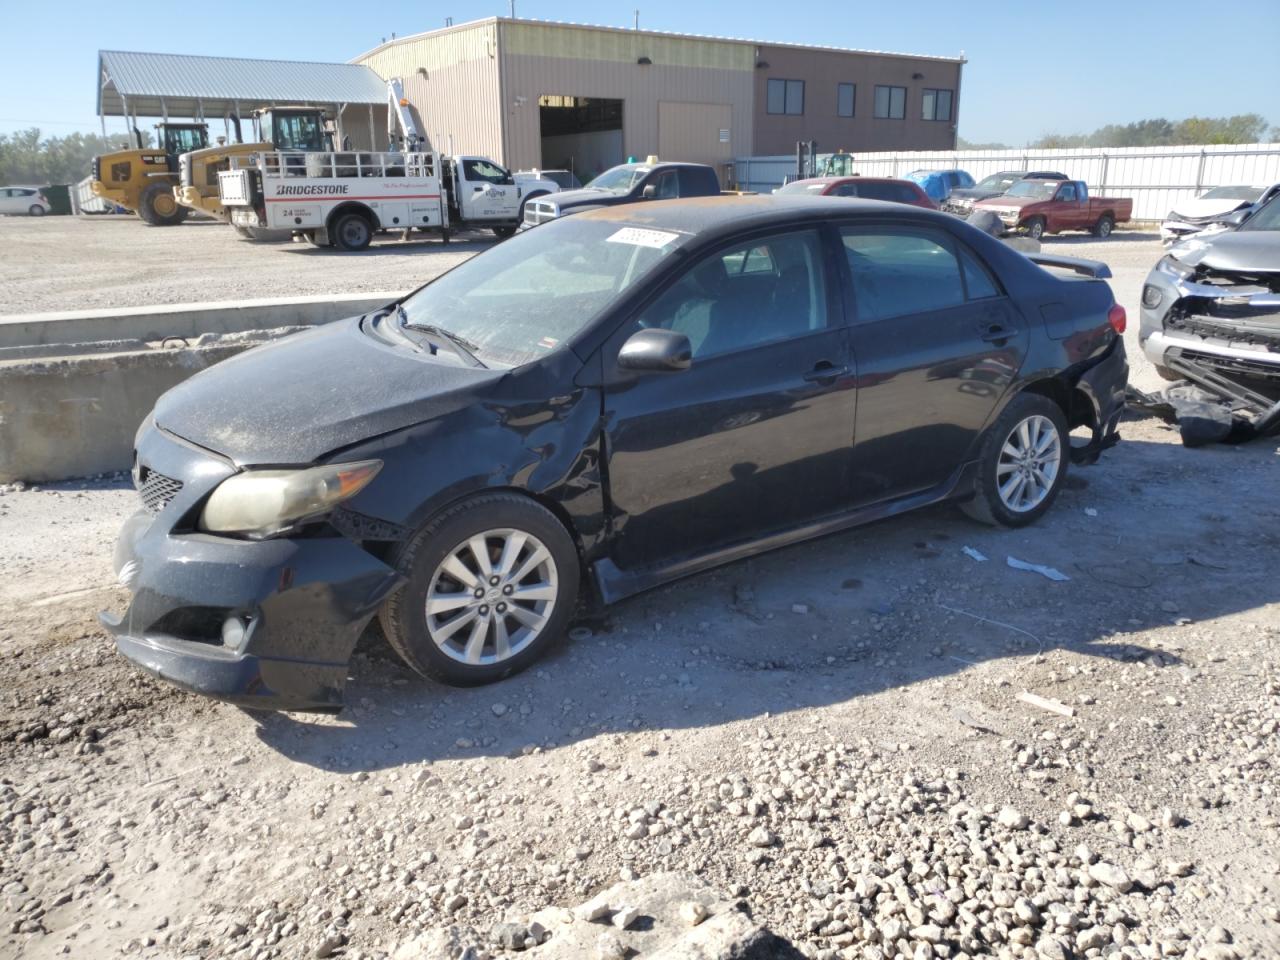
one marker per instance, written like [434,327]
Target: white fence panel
[1155,178]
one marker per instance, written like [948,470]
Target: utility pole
[637,20]
[513,9]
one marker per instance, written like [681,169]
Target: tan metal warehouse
[539,94]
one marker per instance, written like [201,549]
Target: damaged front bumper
[268,624]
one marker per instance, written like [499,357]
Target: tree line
[29,157]
[1157,132]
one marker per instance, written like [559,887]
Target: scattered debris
[1046,703]
[1039,568]
[974,554]
[1213,410]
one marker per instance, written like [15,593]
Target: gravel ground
[82,263]
[75,263]
[830,735]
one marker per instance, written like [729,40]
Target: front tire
[1102,229]
[503,232]
[1035,228]
[1022,463]
[158,207]
[492,584]
[351,232]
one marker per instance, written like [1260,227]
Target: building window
[891,103]
[937,104]
[844,99]
[786,96]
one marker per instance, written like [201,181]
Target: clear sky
[1032,69]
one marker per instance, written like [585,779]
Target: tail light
[1117,318]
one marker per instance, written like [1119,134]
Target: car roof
[709,217]
[856,178]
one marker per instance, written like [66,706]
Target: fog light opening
[233,631]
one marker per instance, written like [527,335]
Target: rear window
[895,192]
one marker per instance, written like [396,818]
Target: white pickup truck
[342,199]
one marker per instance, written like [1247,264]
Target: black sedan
[592,409]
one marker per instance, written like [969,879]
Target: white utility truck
[343,198]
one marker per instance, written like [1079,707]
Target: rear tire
[351,232]
[1102,229]
[1035,228]
[36,210]
[1022,463]
[158,207]
[525,549]
[503,232]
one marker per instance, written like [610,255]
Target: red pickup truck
[1037,207]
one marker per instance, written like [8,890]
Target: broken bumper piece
[268,624]
[1103,389]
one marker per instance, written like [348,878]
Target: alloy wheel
[491,596]
[1029,463]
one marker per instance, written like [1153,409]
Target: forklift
[141,179]
[810,164]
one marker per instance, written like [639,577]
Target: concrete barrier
[75,386]
[186,320]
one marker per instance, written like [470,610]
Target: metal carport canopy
[178,85]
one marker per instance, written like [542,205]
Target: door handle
[996,334]
[824,371]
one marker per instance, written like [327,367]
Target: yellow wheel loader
[279,128]
[142,179]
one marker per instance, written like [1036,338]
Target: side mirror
[650,191]
[656,351]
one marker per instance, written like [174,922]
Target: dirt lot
[831,734]
[77,263]
[80,263]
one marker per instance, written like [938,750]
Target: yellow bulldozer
[141,179]
[278,128]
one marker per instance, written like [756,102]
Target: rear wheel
[1022,463]
[492,583]
[503,232]
[1102,229]
[36,210]
[159,207]
[1035,228]
[351,232]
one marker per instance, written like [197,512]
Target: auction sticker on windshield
[638,237]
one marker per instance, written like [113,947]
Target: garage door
[694,132]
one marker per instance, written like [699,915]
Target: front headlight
[1175,268]
[262,503]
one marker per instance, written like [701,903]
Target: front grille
[156,490]
[537,211]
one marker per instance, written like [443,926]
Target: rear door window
[899,271]
[696,182]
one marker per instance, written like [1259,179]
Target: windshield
[1267,217]
[1036,189]
[179,140]
[803,186]
[293,131]
[564,179]
[1233,193]
[525,297]
[619,180]
[999,181]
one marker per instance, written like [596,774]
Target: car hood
[1199,209]
[296,399]
[1246,251]
[974,193]
[578,198]
[1005,202]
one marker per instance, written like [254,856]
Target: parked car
[1210,304]
[1037,207]
[1213,210]
[23,201]
[962,199]
[627,183]
[599,406]
[564,179]
[938,184]
[866,188]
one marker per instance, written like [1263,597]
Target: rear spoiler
[1086,268]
